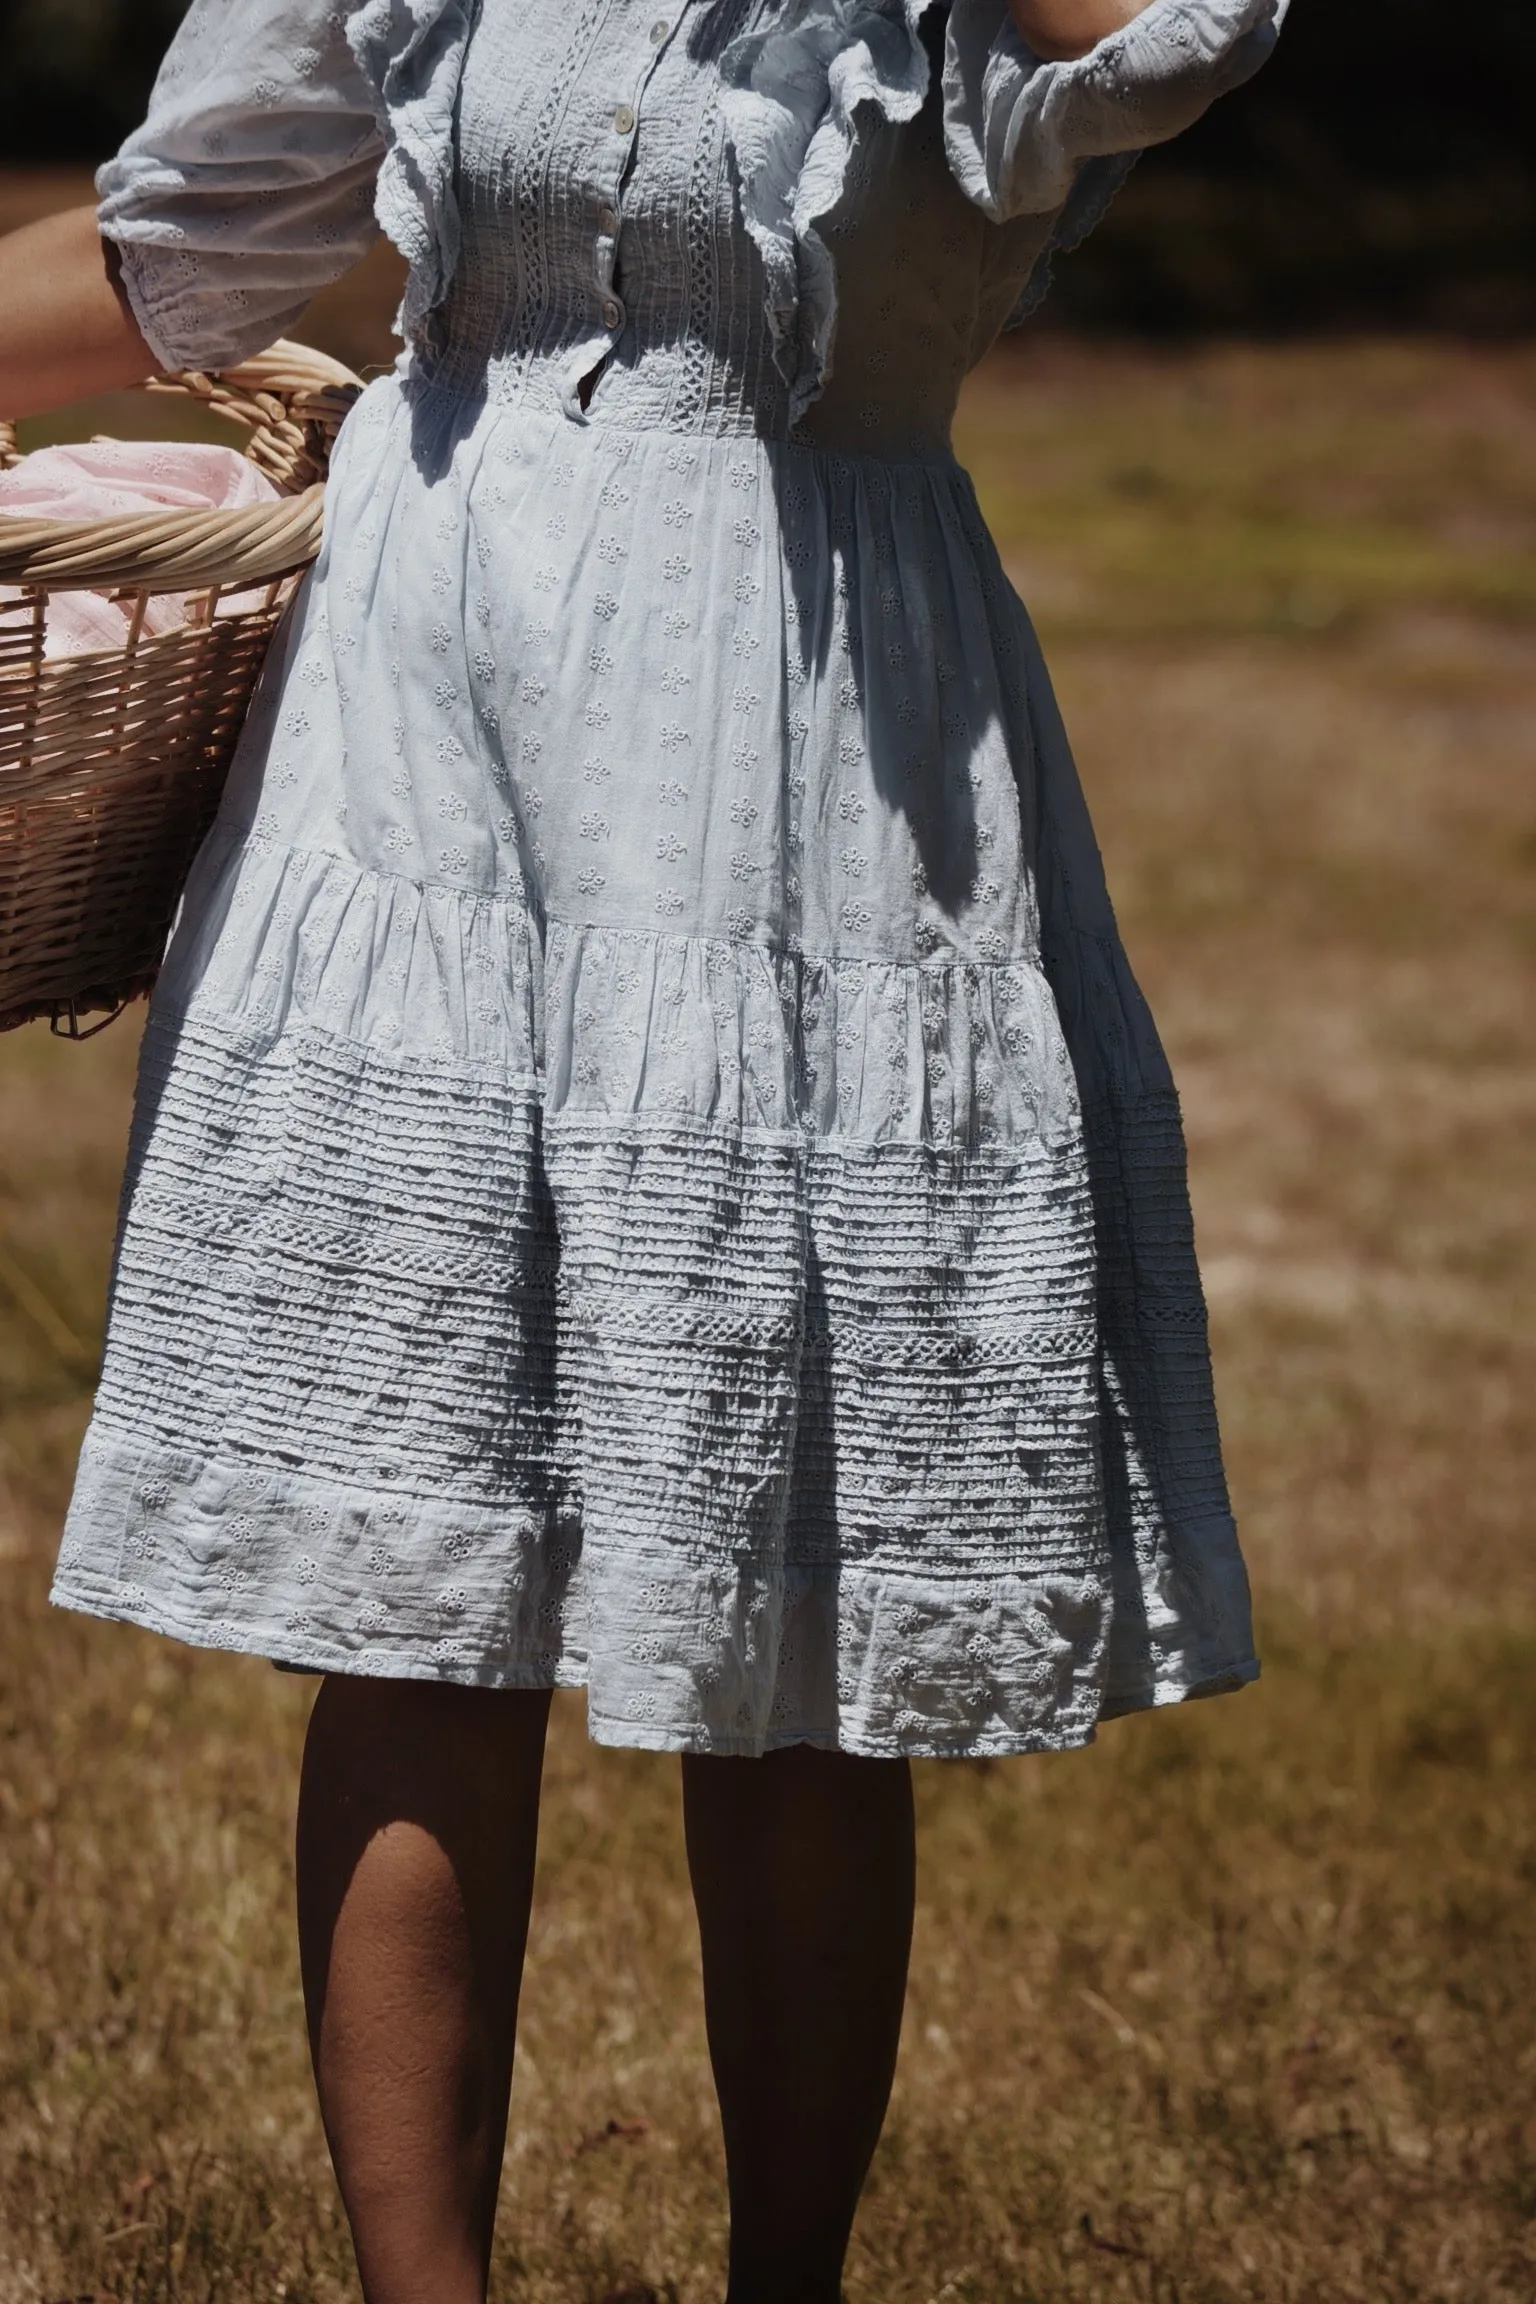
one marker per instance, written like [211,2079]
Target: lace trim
[790,95]
[1093,195]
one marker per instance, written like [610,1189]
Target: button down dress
[651,1171]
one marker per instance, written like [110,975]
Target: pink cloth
[110,479]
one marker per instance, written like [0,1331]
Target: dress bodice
[605,266]
[803,219]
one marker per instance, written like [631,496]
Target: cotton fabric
[651,1170]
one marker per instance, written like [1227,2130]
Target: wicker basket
[111,764]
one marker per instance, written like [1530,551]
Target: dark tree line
[1380,172]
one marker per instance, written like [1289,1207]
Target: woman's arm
[1058,30]
[68,330]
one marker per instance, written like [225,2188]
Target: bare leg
[418,1817]
[803,1874]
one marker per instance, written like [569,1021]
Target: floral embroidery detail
[675,623]
[605,606]
[676,514]
[851,808]
[599,661]
[670,794]
[531,691]
[670,736]
[595,771]
[594,827]
[668,901]
[854,863]
[589,881]
[675,568]
[674,680]
[453,807]
[669,848]
[743,813]
[455,860]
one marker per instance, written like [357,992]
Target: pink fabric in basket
[113,479]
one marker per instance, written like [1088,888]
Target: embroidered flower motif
[453,808]
[668,901]
[675,568]
[455,860]
[670,736]
[675,623]
[605,606]
[674,680]
[743,813]
[594,826]
[669,848]
[670,794]
[590,882]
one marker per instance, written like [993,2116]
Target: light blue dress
[651,1171]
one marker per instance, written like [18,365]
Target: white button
[613,311]
[624,120]
[608,220]
[659,31]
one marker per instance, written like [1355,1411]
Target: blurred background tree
[1381,173]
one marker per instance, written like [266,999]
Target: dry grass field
[1236,2005]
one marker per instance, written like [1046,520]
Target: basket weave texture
[112,763]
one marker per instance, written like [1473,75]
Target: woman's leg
[803,1874]
[418,1817]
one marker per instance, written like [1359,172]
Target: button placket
[623,122]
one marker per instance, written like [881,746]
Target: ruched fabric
[651,1169]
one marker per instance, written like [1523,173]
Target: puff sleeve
[1019,132]
[250,184]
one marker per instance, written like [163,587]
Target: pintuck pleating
[651,1169]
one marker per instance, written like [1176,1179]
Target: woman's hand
[1058,30]
[66,330]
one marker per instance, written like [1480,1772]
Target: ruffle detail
[1026,137]
[789,98]
[620,1025]
[411,52]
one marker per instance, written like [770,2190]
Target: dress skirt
[651,1171]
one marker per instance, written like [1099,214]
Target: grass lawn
[1237,2004]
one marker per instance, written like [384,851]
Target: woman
[651,1171]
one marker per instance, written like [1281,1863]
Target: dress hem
[1069,1732]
